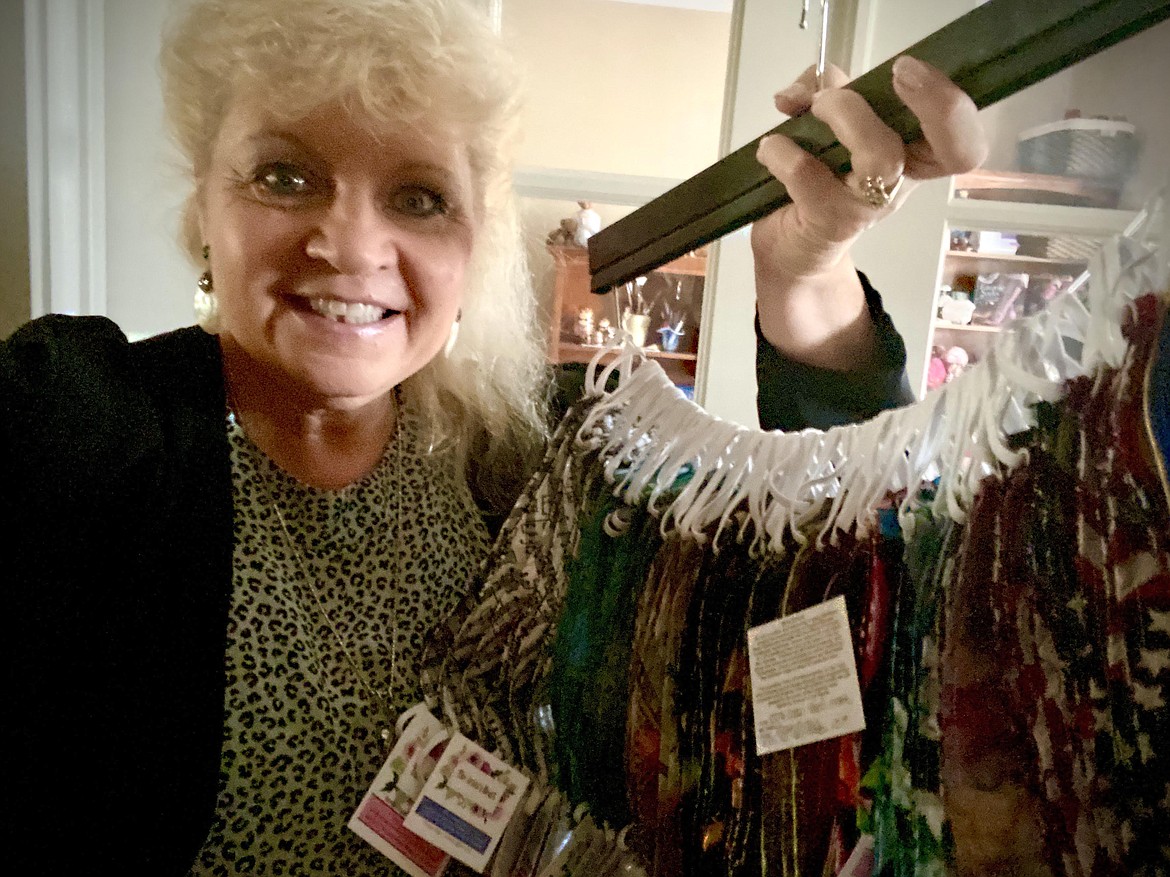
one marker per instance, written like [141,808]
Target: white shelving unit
[970,208]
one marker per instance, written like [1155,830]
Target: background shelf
[943,325]
[990,263]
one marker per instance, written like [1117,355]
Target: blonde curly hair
[392,62]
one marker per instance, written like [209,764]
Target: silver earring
[206,304]
[454,336]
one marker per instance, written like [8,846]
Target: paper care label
[804,678]
[467,802]
[380,816]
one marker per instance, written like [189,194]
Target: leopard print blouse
[324,579]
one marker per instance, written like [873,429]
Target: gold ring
[874,191]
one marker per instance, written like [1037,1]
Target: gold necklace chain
[379,697]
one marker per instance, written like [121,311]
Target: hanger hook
[822,45]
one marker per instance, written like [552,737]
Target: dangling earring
[454,336]
[206,304]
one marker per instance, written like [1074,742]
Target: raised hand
[810,301]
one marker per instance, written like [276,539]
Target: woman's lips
[352,313]
[341,311]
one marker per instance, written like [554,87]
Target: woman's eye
[282,179]
[419,201]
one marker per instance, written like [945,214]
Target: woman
[253,526]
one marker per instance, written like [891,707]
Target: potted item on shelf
[670,336]
[638,325]
[673,320]
[636,311]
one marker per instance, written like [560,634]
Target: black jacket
[116,545]
[117,552]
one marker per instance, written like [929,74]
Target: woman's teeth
[347,312]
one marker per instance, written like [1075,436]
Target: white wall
[614,88]
[149,281]
[619,87]
[14,269]
[901,255]
[772,53]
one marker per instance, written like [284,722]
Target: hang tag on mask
[861,860]
[379,818]
[467,802]
[804,678]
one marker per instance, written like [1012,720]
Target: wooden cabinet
[677,285]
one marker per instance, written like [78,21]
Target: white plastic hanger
[697,470]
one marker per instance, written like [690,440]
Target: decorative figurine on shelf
[957,359]
[944,298]
[936,373]
[957,308]
[605,332]
[585,325]
[575,231]
[588,223]
[563,235]
[946,365]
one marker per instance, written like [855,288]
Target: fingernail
[795,93]
[910,72]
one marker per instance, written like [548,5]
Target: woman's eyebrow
[263,138]
[430,167]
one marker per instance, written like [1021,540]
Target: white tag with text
[467,802]
[804,678]
[380,816]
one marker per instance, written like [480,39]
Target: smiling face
[338,256]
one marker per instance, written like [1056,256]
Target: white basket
[1101,150]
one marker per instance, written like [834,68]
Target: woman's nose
[354,236]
